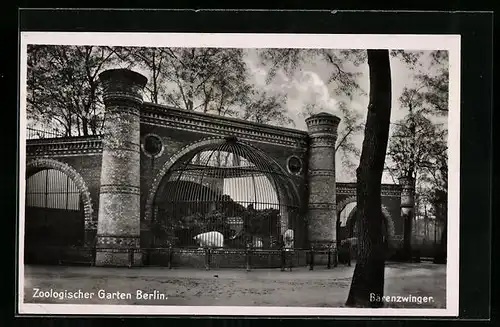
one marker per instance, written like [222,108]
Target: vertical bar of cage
[264,166]
[45,205]
[175,199]
[67,191]
[218,148]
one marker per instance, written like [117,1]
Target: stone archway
[342,204]
[36,165]
[148,210]
[388,219]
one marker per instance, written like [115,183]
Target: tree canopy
[64,93]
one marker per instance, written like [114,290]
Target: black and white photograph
[239,174]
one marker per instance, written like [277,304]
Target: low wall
[198,258]
[216,259]
[52,255]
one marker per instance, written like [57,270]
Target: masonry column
[407,212]
[322,211]
[119,199]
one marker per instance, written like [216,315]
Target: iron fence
[204,258]
[34,134]
[198,258]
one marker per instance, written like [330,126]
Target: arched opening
[227,187]
[342,231]
[346,229]
[54,213]
[346,222]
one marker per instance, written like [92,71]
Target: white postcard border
[233,40]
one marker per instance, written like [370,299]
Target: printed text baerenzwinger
[401,299]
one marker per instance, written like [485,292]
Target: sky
[309,85]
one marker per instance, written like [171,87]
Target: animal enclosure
[229,194]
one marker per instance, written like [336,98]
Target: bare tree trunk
[85,126]
[367,286]
[78,127]
[154,93]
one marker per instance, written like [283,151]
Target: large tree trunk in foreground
[367,284]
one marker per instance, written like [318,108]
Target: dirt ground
[264,287]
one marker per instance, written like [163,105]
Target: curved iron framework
[230,190]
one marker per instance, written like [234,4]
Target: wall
[179,129]
[391,199]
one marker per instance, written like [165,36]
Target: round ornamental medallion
[152,145]
[294,165]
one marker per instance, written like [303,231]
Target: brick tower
[119,199]
[322,211]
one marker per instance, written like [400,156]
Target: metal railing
[207,258]
[199,258]
[35,134]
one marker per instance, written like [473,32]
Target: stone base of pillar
[117,258]
[117,251]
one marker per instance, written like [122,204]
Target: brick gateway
[119,176]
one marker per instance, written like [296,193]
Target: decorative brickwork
[92,225]
[122,86]
[407,210]
[321,179]
[342,204]
[407,198]
[123,189]
[36,165]
[388,190]
[407,192]
[323,141]
[174,118]
[328,206]
[70,146]
[116,241]
[119,202]
[320,172]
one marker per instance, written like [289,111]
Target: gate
[54,217]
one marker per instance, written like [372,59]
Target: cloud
[308,88]
[257,73]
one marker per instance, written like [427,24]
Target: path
[264,287]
